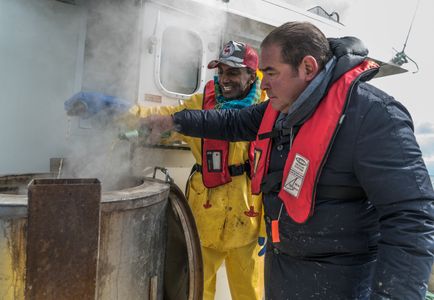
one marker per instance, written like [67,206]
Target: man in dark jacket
[347,198]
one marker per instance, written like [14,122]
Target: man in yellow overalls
[227,215]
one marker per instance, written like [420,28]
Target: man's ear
[252,77]
[308,67]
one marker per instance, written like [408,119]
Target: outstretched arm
[229,124]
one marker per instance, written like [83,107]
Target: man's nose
[224,78]
[264,84]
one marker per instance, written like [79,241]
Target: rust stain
[18,254]
[63,227]
[15,237]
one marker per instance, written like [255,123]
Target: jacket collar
[348,52]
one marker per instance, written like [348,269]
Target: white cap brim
[214,63]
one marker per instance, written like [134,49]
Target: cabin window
[181,61]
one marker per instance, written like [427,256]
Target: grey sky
[387,24]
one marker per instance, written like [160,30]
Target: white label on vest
[296,174]
[217,160]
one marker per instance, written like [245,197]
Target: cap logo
[236,55]
[228,50]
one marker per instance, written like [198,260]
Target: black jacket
[373,245]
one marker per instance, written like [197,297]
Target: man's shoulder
[195,101]
[369,99]
[369,94]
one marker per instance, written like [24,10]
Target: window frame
[158,62]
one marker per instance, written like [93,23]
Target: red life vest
[215,171]
[310,149]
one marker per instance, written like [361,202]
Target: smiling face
[234,82]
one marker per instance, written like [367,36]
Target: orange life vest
[310,149]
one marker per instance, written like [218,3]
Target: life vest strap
[274,133]
[273,181]
[234,170]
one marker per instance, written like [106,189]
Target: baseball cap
[236,54]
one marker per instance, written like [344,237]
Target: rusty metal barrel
[132,256]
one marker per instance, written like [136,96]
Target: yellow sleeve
[131,119]
[194,102]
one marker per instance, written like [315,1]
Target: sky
[387,25]
[383,25]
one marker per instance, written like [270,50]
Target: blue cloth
[252,97]
[87,104]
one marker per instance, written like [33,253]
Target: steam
[119,54]
[97,153]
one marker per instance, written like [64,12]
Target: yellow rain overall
[228,217]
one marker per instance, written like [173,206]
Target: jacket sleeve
[131,119]
[389,165]
[194,102]
[230,124]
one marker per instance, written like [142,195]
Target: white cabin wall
[39,42]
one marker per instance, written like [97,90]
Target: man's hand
[87,104]
[158,125]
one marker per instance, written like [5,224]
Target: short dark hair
[298,39]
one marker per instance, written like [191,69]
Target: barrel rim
[149,192]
